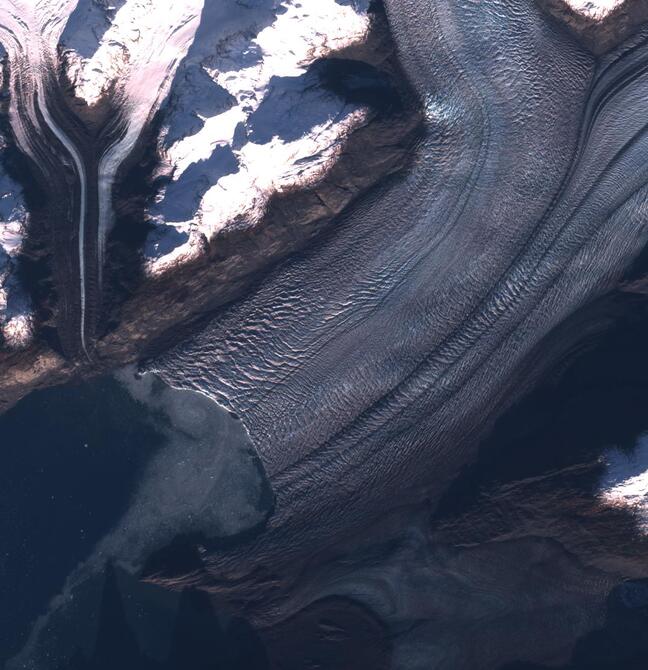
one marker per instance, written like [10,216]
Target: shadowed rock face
[366,369]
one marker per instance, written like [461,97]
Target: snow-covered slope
[597,9]
[135,60]
[245,118]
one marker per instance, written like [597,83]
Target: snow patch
[595,9]
[625,482]
[135,50]
[16,319]
[266,90]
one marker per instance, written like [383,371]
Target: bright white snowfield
[624,483]
[243,118]
[597,9]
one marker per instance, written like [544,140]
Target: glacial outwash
[353,235]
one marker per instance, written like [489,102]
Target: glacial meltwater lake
[95,477]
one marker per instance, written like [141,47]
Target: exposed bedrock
[366,370]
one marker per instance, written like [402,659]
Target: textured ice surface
[364,369]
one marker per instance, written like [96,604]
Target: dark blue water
[70,460]
[138,463]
